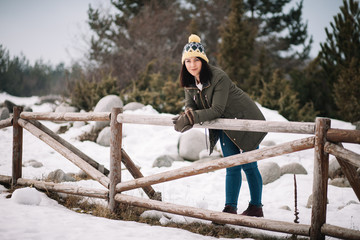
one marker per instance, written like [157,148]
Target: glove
[184,121]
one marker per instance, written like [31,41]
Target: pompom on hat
[194,49]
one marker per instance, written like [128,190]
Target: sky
[55,31]
[38,217]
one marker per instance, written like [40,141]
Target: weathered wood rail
[323,139]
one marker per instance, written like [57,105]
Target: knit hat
[194,49]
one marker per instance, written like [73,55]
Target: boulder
[348,203]
[10,105]
[293,168]
[204,156]
[65,108]
[287,208]
[133,106]
[310,201]
[163,161]
[166,160]
[32,163]
[191,143]
[79,124]
[4,113]
[334,169]
[339,182]
[103,138]
[106,104]
[270,171]
[50,99]
[357,125]
[59,175]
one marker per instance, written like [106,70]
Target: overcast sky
[54,30]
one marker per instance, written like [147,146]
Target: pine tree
[277,94]
[236,47]
[347,90]
[272,21]
[311,84]
[340,57]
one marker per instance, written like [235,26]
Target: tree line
[136,51]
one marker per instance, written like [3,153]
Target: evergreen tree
[340,56]
[311,84]
[236,47]
[156,89]
[272,22]
[254,31]
[347,90]
[260,73]
[277,94]
[207,17]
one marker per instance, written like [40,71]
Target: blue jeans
[233,176]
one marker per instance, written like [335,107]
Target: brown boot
[230,209]
[253,211]
[227,209]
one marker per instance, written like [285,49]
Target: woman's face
[193,65]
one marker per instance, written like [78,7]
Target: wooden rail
[220,217]
[63,188]
[227,124]
[86,167]
[51,116]
[347,155]
[333,134]
[343,135]
[70,147]
[231,161]
[6,123]
[323,143]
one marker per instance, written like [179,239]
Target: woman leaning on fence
[210,94]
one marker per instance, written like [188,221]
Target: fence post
[321,169]
[115,156]
[17,146]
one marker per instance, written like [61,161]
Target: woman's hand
[182,123]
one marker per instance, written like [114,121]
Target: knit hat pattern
[194,48]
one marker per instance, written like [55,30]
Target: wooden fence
[325,141]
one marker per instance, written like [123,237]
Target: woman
[210,94]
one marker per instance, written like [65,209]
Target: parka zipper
[202,102]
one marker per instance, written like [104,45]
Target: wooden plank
[17,146]
[321,168]
[5,180]
[135,172]
[226,124]
[115,157]
[347,155]
[350,172]
[231,161]
[64,188]
[340,232]
[86,167]
[343,135]
[69,146]
[66,116]
[6,123]
[220,217]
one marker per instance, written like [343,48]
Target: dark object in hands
[184,121]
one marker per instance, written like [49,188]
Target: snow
[30,214]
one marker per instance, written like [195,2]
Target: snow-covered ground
[29,214]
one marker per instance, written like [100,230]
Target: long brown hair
[186,79]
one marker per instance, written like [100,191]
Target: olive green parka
[221,98]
